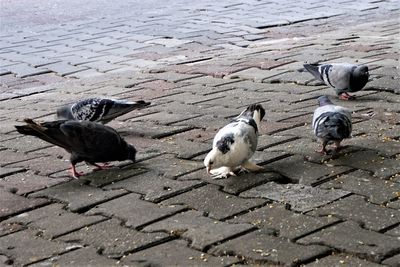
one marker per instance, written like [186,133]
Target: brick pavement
[305,210]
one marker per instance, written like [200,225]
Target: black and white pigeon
[101,110]
[344,78]
[235,144]
[84,140]
[331,123]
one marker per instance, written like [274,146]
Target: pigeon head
[65,112]
[213,160]
[361,71]
[324,100]
[131,153]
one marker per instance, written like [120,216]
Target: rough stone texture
[362,183]
[287,224]
[13,204]
[77,195]
[86,256]
[370,216]
[261,246]
[204,199]
[15,245]
[300,197]
[47,220]
[176,253]
[134,211]
[112,239]
[342,260]
[392,261]
[202,231]
[350,238]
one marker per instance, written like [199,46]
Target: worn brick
[77,195]
[15,247]
[134,211]
[340,260]
[204,199]
[261,246]
[49,226]
[176,253]
[349,237]
[113,239]
[300,197]
[13,204]
[202,231]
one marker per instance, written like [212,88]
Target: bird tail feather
[254,111]
[314,70]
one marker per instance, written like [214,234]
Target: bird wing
[116,108]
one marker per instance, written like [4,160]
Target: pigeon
[235,143]
[342,77]
[331,123]
[84,140]
[101,110]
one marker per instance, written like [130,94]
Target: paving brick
[27,182]
[176,253]
[340,260]
[362,183]
[261,246]
[6,171]
[306,172]
[24,70]
[13,204]
[134,211]
[254,74]
[49,226]
[63,68]
[87,256]
[202,231]
[286,224]
[15,247]
[392,261]
[348,237]
[301,198]
[112,239]
[370,216]
[78,196]
[154,186]
[204,199]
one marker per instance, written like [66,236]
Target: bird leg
[223,172]
[337,146]
[250,166]
[346,96]
[323,148]
[105,166]
[74,173]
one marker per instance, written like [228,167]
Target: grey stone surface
[202,231]
[204,198]
[355,208]
[300,197]
[392,261]
[261,246]
[286,224]
[47,220]
[134,211]
[77,195]
[176,253]
[15,245]
[337,260]
[13,204]
[351,238]
[112,239]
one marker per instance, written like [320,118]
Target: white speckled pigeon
[101,110]
[86,141]
[235,143]
[342,77]
[331,123]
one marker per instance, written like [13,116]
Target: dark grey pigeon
[344,78]
[235,143]
[331,123]
[101,110]
[84,140]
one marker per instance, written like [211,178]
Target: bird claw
[221,173]
[346,96]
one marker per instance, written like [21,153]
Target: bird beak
[208,168]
